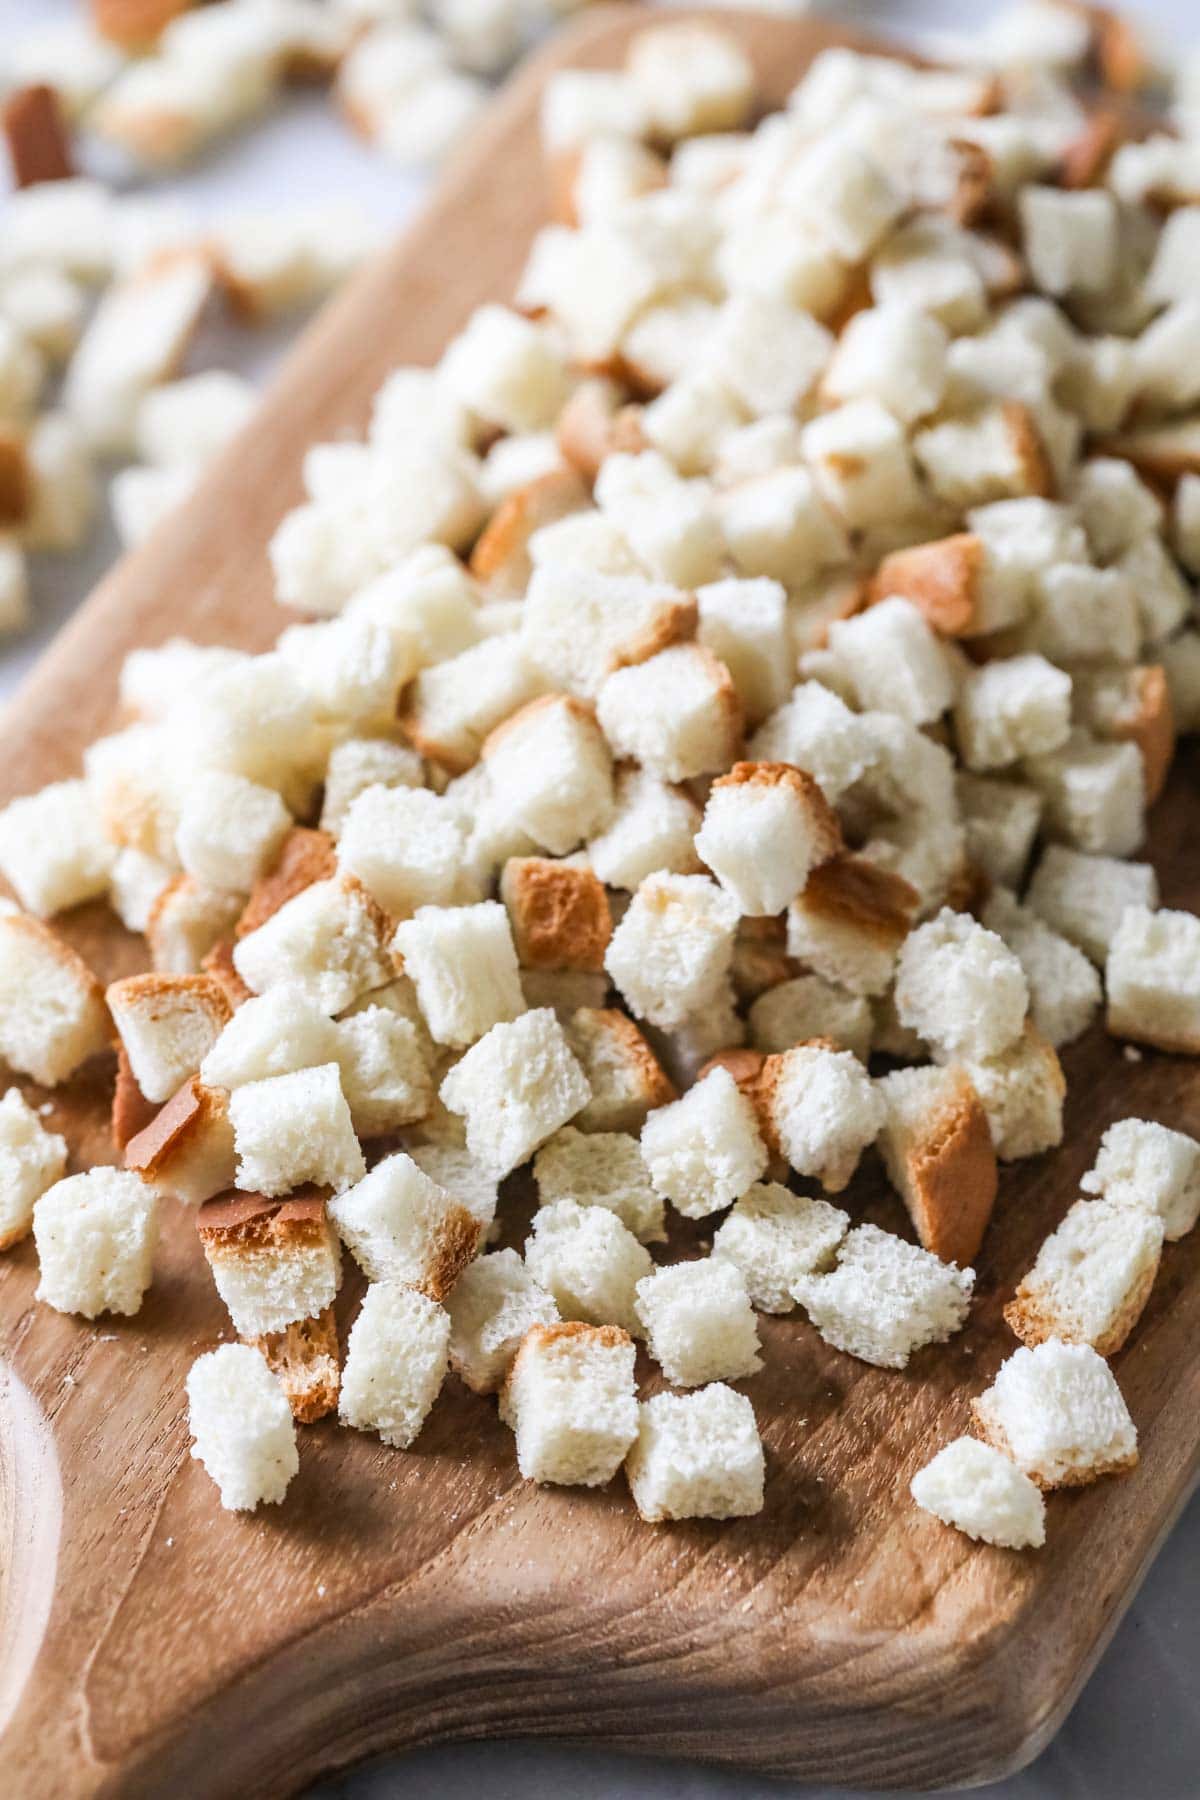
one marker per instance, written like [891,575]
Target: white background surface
[1135,1733]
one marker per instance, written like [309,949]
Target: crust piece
[305,1361]
[307,855]
[560,915]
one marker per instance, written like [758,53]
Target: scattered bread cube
[32,1159]
[671,950]
[168,1024]
[53,850]
[400,1226]
[704,1150]
[1152,979]
[186,1150]
[329,941]
[1057,1411]
[385,1071]
[805,1007]
[766,826]
[570,1399]
[588,1262]
[937,1149]
[1018,706]
[506,369]
[697,1456]
[491,1307]
[1093,793]
[187,920]
[698,1321]
[893,662]
[625,1076]
[862,464]
[960,987]
[579,623]
[677,714]
[1022,1089]
[242,1427]
[273,1261]
[820,1109]
[849,922]
[52,1011]
[407,848]
[1146,1165]
[689,78]
[601,1168]
[1064,988]
[305,1361]
[652,828]
[359,763]
[1084,897]
[975,1488]
[1091,1279]
[551,772]
[295,1128]
[397,1355]
[559,913]
[95,1235]
[515,1088]
[774,1237]
[463,964]
[1001,819]
[885,1299]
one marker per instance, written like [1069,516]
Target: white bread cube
[1164,599]
[821,1110]
[766,827]
[777,525]
[230,829]
[958,583]
[766,352]
[579,624]
[745,626]
[1070,239]
[1091,1279]
[1146,1165]
[1085,615]
[817,731]
[351,669]
[809,1007]
[427,599]
[32,1159]
[689,421]
[601,1168]
[52,1011]
[1057,1411]
[406,846]
[697,1456]
[463,963]
[960,987]
[400,1226]
[689,78]
[579,105]
[893,661]
[670,524]
[52,848]
[1093,792]
[652,828]
[451,707]
[492,1306]
[994,453]
[357,764]
[506,369]
[295,1128]
[570,1399]
[63,485]
[95,1235]
[774,1237]
[1014,707]
[1164,357]
[397,1355]
[1152,978]
[559,914]
[670,953]
[849,923]
[885,1299]
[980,1492]
[1084,897]
[273,1262]
[168,1024]
[698,1321]
[186,921]
[1116,507]
[188,421]
[843,194]
[704,1150]
[465,1180]
[1064,988]
[895,354]
[515,1088]
[242,1427]
[588,1262]
[329,940]
[551,772]
[625,1077]
[936,1146]
[385,1072]
[1022,1091]
[690,1046]
[269,1034]
[1001,821]
[860,460]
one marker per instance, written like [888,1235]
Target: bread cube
[269,1034]
[809,1007]
[1118,510]
[957,583]
[95,1235]
[849,922]
[677,713]
[652,828]
[980,1492]
[820,1109]
[506,369]
[1018,706]
[186,1150]
[1131,705]
[579,624]
[52,1011]
[515,1088]
[295,1128]
[885,1299]
[402,1227]
[745,625]
[1084,897]
[1070,239]
[396,1360]
[406,846]
[1091,1279]
[187,920]
[450,708]
[53,849]
[579,105]
[601,1168]
[464,966]
[689,77]
[551,772]
[778,525]
[1085,615]
[895,354]
[960,987]
[1152,979]
[860,460]
[306,857]
[494,1303]
[273,1261]
[305,1361]
[1145,1165]
[570,1399]
[816,731]
[357,764]
[766,827]
[704,1150]
[588,1262]
[559,914]
[937,1149]
[893,661]
[32,1159]
[1064,989]
[329,941]
[697,1456]
[385,1072]
[625,1076]
[670,524]
[230,830]
[671,951]
[995,453]
[1001,821]
[698,1322]
[774,1237]
[1057,1411]
[688,421]
[242,1427]
[168,1024]
[1022,1091]
[844,194]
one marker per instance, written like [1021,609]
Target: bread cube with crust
[765,351]
[1093,793]
[515,1088]
[385,1072]
[451,707]
[32,1159]
[689,420]
[1000,818]
[579,623]
[778,524]
[305,1360]
[185,1152]
[1014,707]
[1148,1166]
[356,764]
[893,661]
[957,583]
[52,1011]
[493,1304]
[677,714]
[669,523]
[976,1489]
[463,964]
[570,1399]
[652,828]
[273,1261]
[1091,1279]
[1084,615]
[745,624]
[53,849]
[846,197]
[186,921]
[400,1226]
[95,1235]
[506,369]
[697,1456]
[1057,1411]
[699,1323]
[689,78]
[270,1034]
[407,848]
[1152,978]
[766,827]
[601,1168]
[588,1262]
[230,829]
[329,941]
[397,1355]
[295,1128]
[994,453]
[241,1427]
[670,953]
[305,856]
[559,914]
[1064,989]
[937,1149]
[805,1007]
[820,1109]
[861,462]
[885,1299]
[626,1079]
[816,730]
[1022,1089]
[1131,705]
[894,353]
[168,1024]
[960,987]
[551,772]
[774,1237]
[849,922]
[704,1150]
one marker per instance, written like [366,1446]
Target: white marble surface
[1135,1732]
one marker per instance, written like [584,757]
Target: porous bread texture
[706,1149]
[550,771]
[295,1128]
[670,952]
[766,826]
[230,829]
[397,1355]
[960,987]
[402,1227]
[820,1109]
[32,1159]
[492,1306]
[570,1400]
[305,856]
[359,763]
[817,731]
[677,714]
[329,939]
[601,1168]
[1093,793]
[186,1150]
[186,921]
[95,1235]
[272,1261]
[52,1011]
[849,922]
[805,1007]
[1147,1165]
[559,914]
[450,708]
[241,1425]
[774,1237]
[937,1148]
[515,1088]
[1091,1279]
[1018,706]
[580,624]
[698,1321]
[52,848]
[386,1076]
[1000,818]
[463,964]
[168,1024]
[625,1076]
[696,1456]
[1022,1092]
[1152,979]
[407,848]
[652,828]
[885,1299]
[893,662]
[1084,897]
[452,1168]
[1057,1411]
[1064,988]
[588,1262]
[304,1358]
[975,1488]
[270,1034]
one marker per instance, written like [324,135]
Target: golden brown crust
[560,914]
[305,1360]
[596,423]
[1085,160]
[727,699]
[634,1050]
[16,480]
[240,1223]
[765,1091]
[1031,1315]
[39,143]
[974,182]
[131,1111]
[852,892]
[454,1245]
[1150,724]
[1037,474]
[500,559]
[941,579]
[991,1433]
[744,1065]
[518,720]
[185,1122]
[306,856]
[951,1174]
[822,821]
[1161,454]
[158,994]
[219,965]
[135,24]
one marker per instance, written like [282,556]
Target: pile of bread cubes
[731,687]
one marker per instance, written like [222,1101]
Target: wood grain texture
[396,1598]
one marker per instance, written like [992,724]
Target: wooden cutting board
[151,1644]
